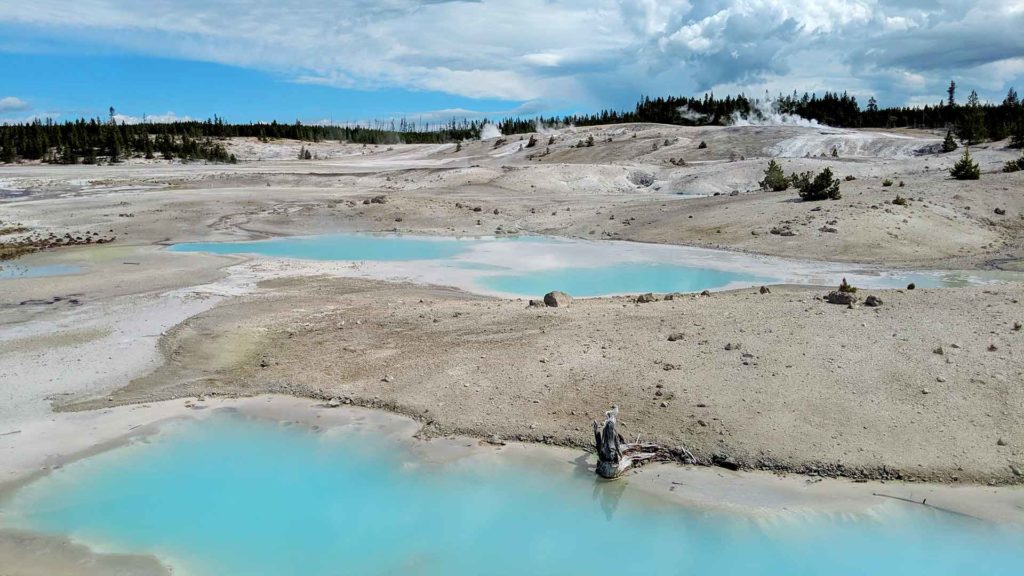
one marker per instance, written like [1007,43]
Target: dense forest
[972,121]
[96,140]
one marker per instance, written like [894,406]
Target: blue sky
[354,60]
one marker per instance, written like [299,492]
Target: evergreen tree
[949,144]
[774,178]
[965,168]
[821,187]
[951,102]
[971,127]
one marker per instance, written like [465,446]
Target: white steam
[489,131]
[767,114]
[693,115]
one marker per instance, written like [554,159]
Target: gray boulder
[557,299]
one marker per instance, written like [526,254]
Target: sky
[433,60]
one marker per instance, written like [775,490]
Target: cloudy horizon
[353,60]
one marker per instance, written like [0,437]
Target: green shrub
[887,182]
[845,286]
[820,187]
[902,184]
[900,201]
[949,144]
[965,168]
[774,179]
[1014,165]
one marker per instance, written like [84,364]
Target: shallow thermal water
[529,266]
[231,495]
[8,271]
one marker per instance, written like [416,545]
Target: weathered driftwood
[614,454]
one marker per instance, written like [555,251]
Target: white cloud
[12,104]
[595,53]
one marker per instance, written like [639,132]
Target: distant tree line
[94,140]
[972,122]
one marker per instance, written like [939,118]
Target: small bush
[1014,165]
[901,184]
[590,140]
[458,146]
[850,178]
[551,140]
[702,145]
[835,152]
[774,179]
[900,201]
[820,187]
[965,168]
[887,182]
[949,144]
[845,286]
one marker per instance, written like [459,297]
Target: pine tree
[949,144]
[971,127]
[774,178]
[965,168]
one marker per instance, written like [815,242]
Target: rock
[557,299]
[838,297]
[536,304]
[496,212]
[334,402]
[1016,470]
[381,199]
[387,378]
[992,347]
[828,229]
[938,350]
[646,298]
[731,346]
[764,290]
[873,301]
[911,286]
[727,462]
[925,391]
[1000,211]
[705,293]
[664,404]
[1000,442]
[676,336]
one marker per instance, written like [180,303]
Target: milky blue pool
[233,496]
[532,266]
[10,270]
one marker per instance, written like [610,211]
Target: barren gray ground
[811,385]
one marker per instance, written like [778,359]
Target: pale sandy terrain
[857,392]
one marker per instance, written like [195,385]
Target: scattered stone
[839,297]
[381,199]
[646,298]
[557,299]
[1017,326]
[664,404]
[828,229]
[1001,442]
[940,379]
[731,346]
[911,286]
[938,350]
[334,402]
[873,301]
[992,347]
[727,462]
[536,304]
[764,290]
[925,391]
[676,336]
[387,378]
[706,293]
[1000,211]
